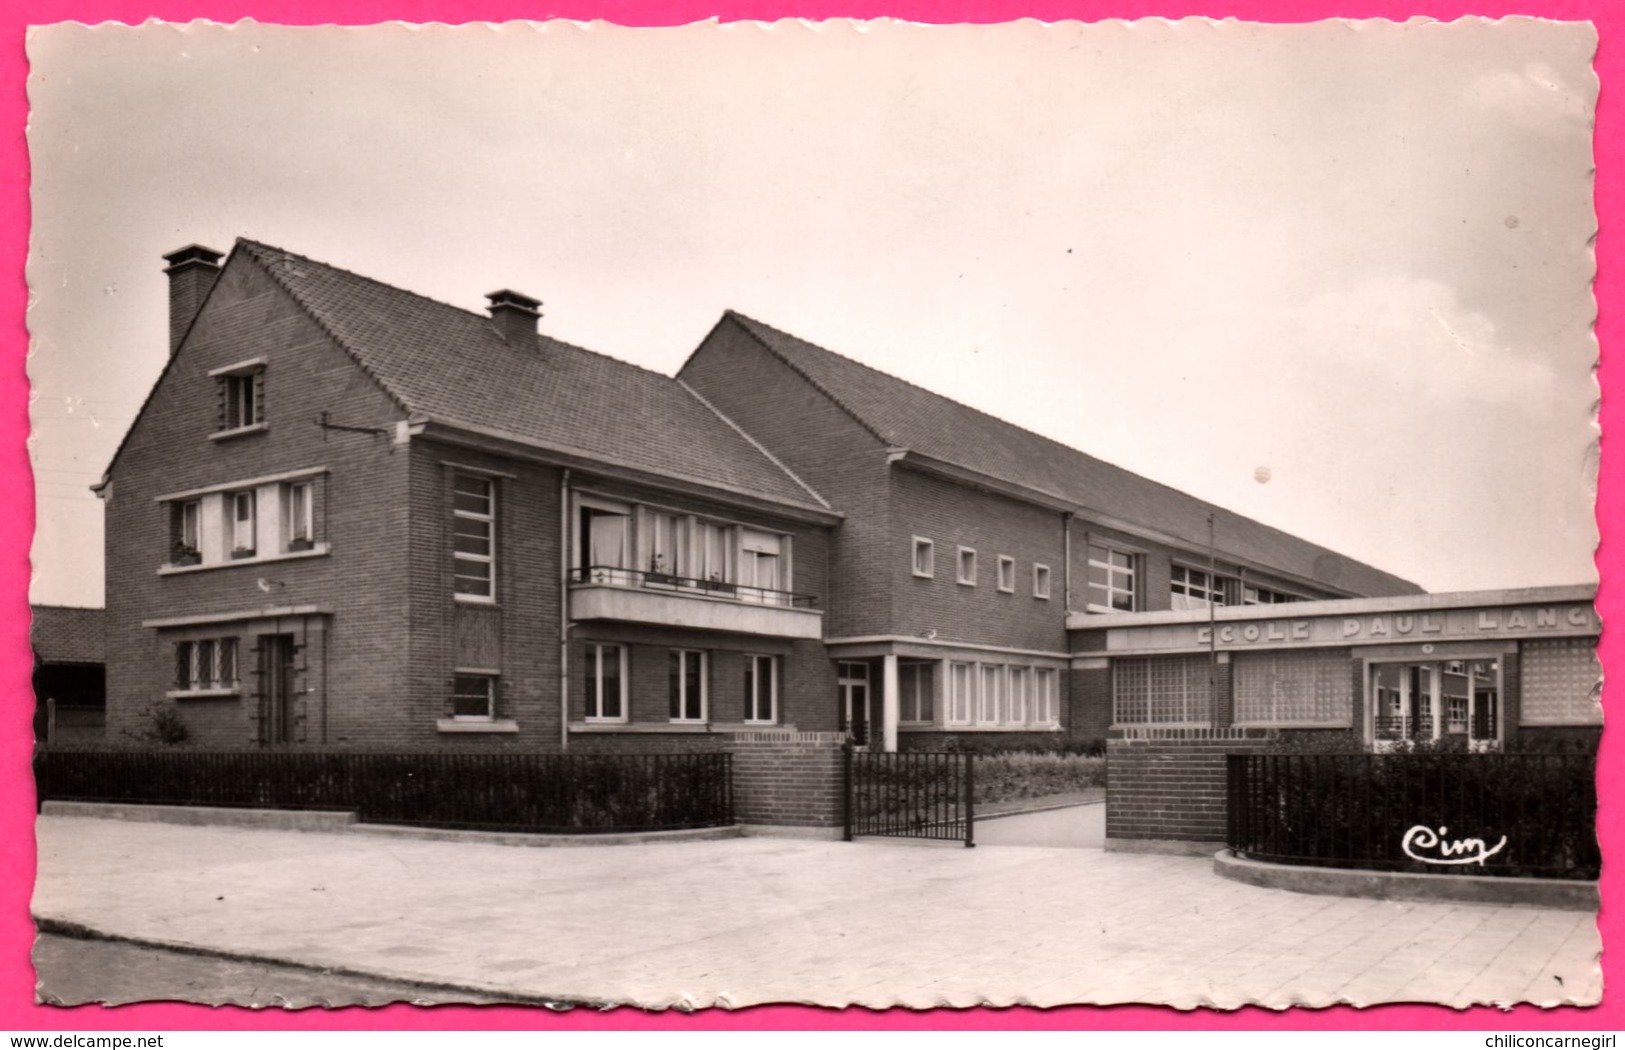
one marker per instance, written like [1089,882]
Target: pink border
[17,1009]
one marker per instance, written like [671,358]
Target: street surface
[761,920]
[73,971]
[1075,827]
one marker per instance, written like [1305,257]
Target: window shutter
[258,407]
[222,416]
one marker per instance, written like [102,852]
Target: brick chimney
[192,271]
[514,316]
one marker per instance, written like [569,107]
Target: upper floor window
[1111,580]
[1007,574]
[1251,595]
[474,537]
[1040,581]
[244,522]
[626,544]
[1199,589]
[255,519]
[925,557]
[967,566]
[242,395]
[687,685]
[186,542]
[299,516]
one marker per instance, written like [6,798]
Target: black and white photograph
[848,513]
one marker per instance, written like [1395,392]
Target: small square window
[925,557]
[967,566]
[473,697]
[242,398]
[1007,574]
[1041,581]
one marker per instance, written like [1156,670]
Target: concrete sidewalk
[746,921]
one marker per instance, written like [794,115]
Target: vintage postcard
[844,513]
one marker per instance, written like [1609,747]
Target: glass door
[853,679]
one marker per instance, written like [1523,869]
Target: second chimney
[192,271]
[514,316]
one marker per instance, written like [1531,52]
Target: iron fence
[537,793]
[911,794]
[1429,813]
[611,576]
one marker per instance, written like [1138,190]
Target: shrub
[1001,776]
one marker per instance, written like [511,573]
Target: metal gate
[911,794]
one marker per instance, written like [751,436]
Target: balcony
[608,593]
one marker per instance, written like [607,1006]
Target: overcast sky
[1335,276]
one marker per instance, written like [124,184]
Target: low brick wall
[1168,785]
[787,778]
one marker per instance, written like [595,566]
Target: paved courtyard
[757,920]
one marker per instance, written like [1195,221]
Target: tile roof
[451,366]
[64,635]
[907,416]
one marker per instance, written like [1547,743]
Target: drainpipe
[564,610]
[1066,559]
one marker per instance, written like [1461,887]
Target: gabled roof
[908,417]
[450,366]
[65,635]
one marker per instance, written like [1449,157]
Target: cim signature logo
[1447,851]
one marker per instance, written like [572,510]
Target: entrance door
[853,684]
[276,689]
[1434,700]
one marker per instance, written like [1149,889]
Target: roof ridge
[316,315]
[472,314]
[798,370]
[1206,503]
[763,449]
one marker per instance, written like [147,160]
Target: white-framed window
[687,685]
[916,691]
[967,566]
[761,689]
[474,509]
[761,564]
[665,545]
[299,523]
[205,664]
[1046,697]
[1112,575]
[1041,581]
[186,545]
[992,710]
[244,523]
[1197,588]
[1019,693]
[242,397]
[1007,574]
[473,696]
[629,544]
[961,693]
[603,540]
[604,682]
[713,552]
[925,558]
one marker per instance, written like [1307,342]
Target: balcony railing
[614,576]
